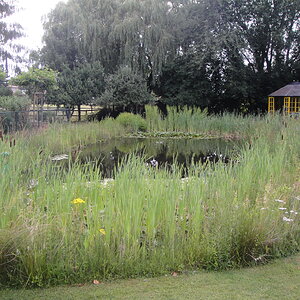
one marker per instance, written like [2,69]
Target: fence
[11,121]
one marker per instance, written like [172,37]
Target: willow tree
[62,38]
[137,33]
[145,29]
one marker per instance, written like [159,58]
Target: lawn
[276,280]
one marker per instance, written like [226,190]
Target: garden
[64,221]
[150,143]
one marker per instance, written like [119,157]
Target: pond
[158,151]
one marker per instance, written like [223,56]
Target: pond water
[158,151]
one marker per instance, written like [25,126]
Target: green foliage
[224,55]
[8,31]
[5,91]
[3,76]
[125,88]
[132,122]
[36,80]
[14,103]
[115,32]
[147,221]
[81,85]
[10,117]
[278,280]
[61,38]
[236,56]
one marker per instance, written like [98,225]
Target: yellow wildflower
[77,201]
[102,230]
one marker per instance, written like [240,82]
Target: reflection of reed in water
[184,152]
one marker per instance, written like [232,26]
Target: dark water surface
[158,151]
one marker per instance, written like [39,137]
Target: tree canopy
[137,33]
[127,89]
[9,32]
[36,80]
[81,85]
[225,54]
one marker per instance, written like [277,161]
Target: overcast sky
[30,17]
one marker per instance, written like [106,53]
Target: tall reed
[68,225]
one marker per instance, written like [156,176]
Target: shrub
[14,103]
[126,88]
[13,114]
[5,91]
[132,122]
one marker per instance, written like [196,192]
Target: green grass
[277,280]
[222,217]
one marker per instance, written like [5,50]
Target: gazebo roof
[290,90]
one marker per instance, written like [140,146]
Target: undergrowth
[68,225]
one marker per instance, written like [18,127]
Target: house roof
[290,90]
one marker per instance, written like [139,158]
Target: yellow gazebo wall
[271,104]
[290,105]
[287,105]
[295,104]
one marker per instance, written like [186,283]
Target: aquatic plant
[63,225]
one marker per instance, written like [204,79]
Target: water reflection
[160,151]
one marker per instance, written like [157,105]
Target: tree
[227,54]
[62,38]
[4,90]
[79,86]
[8,33]
[137,33]
[239,50]
[36,80]
[127,89]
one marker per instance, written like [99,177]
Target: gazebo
[286,99]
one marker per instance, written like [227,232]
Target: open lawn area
[278,280]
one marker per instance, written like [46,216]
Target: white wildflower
[33,183]
[287,219]
[282,208]
[106,181]
[280,201]
[154,163]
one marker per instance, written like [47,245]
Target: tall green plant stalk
[68,225]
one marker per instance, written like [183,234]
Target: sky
[30,17]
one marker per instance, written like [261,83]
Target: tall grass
[147,221]
[195,120]
[60,138]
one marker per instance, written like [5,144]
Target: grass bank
[68,225]
[278,280]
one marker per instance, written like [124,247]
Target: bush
[13,114]
[132,122]
[5,91]
[127,89]
[14,103]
